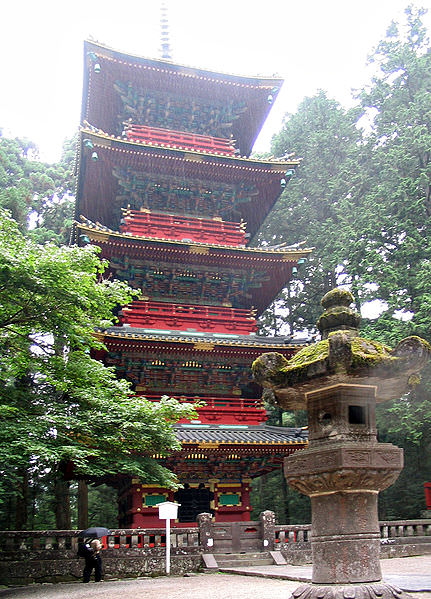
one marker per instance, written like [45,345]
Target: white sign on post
[168,510]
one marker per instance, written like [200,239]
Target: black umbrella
[95,531]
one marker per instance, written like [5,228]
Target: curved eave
[104,140]
[268,438]
[170,66]
[167,75]
[265,446]
[97,187]
[137,336]
[103,234]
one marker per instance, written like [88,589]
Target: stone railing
[293,540]
[51,555]
[182,539]
[288,534]
[402,538]
[399,538]
[404,529]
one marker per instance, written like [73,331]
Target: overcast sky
[312,44]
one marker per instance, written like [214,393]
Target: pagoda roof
[199,340]
[97,186]
[242,434]
[100,101]
[100,233]
[276,262]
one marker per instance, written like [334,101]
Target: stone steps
[238,560]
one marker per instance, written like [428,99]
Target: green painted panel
[228,499]
[151,500]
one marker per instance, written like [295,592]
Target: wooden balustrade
[172,316]
[217,403]
[224,410]
[170,226]
[180,140]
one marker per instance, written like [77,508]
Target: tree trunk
[21,502]
[285,495]
[82,504]
[62,503]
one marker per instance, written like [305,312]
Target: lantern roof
[342,357]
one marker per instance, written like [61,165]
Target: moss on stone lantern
[339,380]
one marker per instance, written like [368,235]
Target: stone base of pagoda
[373,590]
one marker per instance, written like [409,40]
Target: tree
[38,195]
[324,136]
[395,250]
[362,198]
[61,410]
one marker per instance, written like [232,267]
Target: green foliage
[39,196]
[60,408]
[270,492]
[324,136]
[394,242]
[102,506]
[362,199]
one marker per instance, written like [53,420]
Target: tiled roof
[290,252]
[240,434]
[128,332]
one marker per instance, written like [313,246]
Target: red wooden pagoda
[167,190]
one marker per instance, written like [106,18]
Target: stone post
[267,521]
[205,532]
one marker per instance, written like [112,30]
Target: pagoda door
[192,502]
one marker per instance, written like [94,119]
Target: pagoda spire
[164,32]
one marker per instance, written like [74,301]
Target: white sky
[313,44]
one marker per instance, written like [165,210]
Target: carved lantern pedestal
[342,473]
[339,380]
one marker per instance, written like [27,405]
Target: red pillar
[427,488]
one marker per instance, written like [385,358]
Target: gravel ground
[413,571]
[204,586]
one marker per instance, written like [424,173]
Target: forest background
[361,198]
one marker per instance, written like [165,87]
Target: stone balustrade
[50,555]
[288,534]
[398,538]
[182,539]
[404,528]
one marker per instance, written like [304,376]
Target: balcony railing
[225,410]
[178,228]
[180,317]
[180,140]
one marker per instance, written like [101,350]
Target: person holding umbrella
[90,551]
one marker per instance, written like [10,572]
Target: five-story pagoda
[167,190]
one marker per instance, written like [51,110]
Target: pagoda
[167,190]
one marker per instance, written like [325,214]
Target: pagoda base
[365,590]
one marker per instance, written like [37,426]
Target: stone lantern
[339,380]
